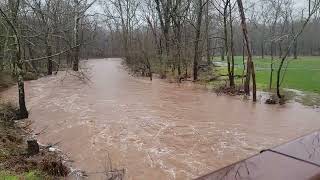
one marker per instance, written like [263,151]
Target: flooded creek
[154,130]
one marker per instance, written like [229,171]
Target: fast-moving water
[154,130]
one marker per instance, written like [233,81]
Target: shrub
[8,112]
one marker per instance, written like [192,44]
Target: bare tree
[13,24]
[80,8]
[199,12]
[313,7]
[250,65]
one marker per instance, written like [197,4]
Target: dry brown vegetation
[6,80]
[14,156]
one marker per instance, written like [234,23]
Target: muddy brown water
[154,130]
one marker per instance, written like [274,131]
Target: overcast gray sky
[299,4]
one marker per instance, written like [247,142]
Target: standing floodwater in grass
[313,8]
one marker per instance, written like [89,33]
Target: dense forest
[179,38]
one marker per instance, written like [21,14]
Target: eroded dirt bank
[154,129]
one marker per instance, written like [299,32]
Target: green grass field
[302,74]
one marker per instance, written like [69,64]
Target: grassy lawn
[302,74]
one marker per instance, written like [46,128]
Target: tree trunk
[295,50]
[222,53]
[76,51]
[207,33]
[33,147]
[23,112]
[231,77]
[33,64]
[280,49]
[226,40]
[48,53]
[243,61]
[271,74]
[283,59]
[196,45]
[250,65]
[164,18]
[50,65]
[262,49]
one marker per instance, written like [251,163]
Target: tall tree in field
[313,7]
[275,9]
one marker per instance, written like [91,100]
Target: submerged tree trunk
[271,74]
[250,65]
